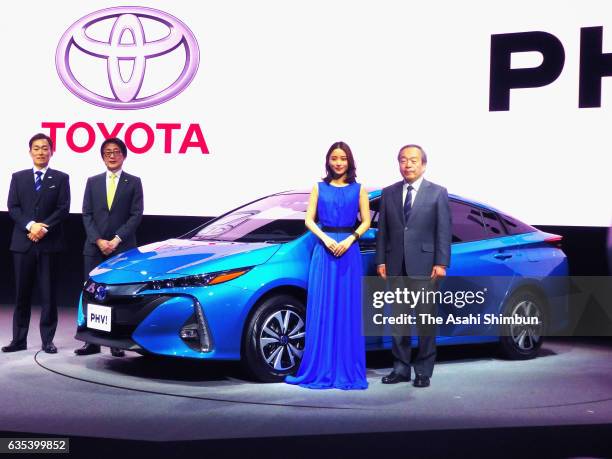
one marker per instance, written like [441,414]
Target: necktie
[110,191]
[408,203]
[38,181]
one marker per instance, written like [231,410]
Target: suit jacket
[122,219]
[423,241]
[50,205]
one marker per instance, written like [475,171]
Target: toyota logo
[100,293]
[128,22]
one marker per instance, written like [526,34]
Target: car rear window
[492,224]
[514,226]
[467,223]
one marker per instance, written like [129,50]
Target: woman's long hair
[351,171]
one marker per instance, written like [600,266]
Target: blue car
[235,288]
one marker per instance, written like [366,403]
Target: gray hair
[413,145]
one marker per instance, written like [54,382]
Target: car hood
[181,257]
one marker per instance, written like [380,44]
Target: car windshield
[277,218]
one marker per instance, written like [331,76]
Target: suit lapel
[420,196]
[99,189]
[398,203]
[48,181]
[31,192]
[122,184]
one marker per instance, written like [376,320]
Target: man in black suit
[38,203]
[112,211]
[414,241]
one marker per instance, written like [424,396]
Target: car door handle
[502,256]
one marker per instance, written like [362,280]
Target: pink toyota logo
[127,19]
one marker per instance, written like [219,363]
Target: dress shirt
[415,189]
[42,177]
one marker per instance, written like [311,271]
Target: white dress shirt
[108,179]
[42,177]
[415,189]
[108,184]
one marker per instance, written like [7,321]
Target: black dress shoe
[394,378]
[49,348]
[87,349]
[116,352]
[421,381]
[14,347]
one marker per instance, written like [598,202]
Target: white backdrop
[279,81]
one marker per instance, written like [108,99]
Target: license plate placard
[99,317]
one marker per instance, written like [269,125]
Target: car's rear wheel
[521,342]
[274,338]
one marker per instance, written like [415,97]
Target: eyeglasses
[111,153]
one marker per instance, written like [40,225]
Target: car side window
[492,224]
[374,207]
[514,226]
[468,224]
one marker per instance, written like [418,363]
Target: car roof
[375,192]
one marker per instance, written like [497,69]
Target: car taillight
[555,241]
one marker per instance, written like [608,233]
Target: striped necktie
[110,191]
[38,181]
[408,203]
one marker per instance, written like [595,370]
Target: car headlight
[198,280]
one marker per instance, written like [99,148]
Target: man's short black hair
[41,136]
[117,142]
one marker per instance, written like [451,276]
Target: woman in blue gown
[334,353]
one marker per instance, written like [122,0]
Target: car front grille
[128,312]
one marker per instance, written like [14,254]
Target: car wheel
[274,338]
[521,342]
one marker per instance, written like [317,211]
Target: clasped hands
[338,248]
[107,247]
[37,231]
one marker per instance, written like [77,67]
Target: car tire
[522,342]
[274,338]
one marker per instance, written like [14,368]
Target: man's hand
[343,246]
[105,246]
[38,230]
[438,271]
[382,271]
[32,238]
[114,243]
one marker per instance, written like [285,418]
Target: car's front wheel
[274,338]
[521,342]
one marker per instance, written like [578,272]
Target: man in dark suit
[38,203]
[414,241]
[112,211]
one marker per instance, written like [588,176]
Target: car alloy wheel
[274,338]
[521,342]
[526,337]
[281,339]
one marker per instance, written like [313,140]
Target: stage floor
[144,398]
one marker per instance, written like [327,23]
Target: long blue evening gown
[334,353]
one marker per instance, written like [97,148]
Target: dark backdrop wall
[153,228]
[586,248]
